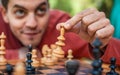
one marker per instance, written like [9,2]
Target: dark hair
[5,3]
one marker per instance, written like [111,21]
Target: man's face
[27,19]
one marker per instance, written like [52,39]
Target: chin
[33,43]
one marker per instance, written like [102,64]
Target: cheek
[43,22]
[16,23]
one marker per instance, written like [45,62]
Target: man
[32,22]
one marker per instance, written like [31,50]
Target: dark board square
[61,70]
[57,74]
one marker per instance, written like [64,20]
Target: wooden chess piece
[20,69]
[61,38]
[3,60]
[58,52]
[49,61]
[36,62]
[44,53]
[70,56]
[53,46]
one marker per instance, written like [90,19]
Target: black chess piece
[97,67]
[96,50]
[112,66]
[30,47]
[100,65]
[72,66]
[29,68]
[9,69]
[97,63]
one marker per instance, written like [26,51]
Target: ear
[4,14]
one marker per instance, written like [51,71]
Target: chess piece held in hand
[58,52]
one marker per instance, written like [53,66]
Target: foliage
[75,6]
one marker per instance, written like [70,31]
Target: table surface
[85,68]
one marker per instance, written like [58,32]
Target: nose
[31,21]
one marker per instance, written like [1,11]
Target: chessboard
[59,68]
[54,62]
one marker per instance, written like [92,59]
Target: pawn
[49,61]
[35,60]
[20,69]
[9,69]
[112,66]
[72,66]
[70,56]
[44,53]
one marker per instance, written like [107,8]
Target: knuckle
[102,13]
[105,21]
[93,9]
[112,28]
[99,34]
[91,29]
[85,20]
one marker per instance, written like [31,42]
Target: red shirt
[80,47]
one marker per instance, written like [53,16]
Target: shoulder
[59,15]
[58,12]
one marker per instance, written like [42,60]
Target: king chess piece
[29,68]
[30,47]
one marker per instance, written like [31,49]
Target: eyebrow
[19,6]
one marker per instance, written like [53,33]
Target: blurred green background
[75,6]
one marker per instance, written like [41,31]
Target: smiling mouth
[31,33]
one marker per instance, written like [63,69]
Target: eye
[19,13]
[41,11]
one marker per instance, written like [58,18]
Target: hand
[90,24]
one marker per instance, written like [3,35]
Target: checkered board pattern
[59,69]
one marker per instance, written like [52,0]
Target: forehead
[26,3]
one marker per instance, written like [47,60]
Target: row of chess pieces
[51,55]
[97,62]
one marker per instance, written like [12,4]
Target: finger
[77,18]
[105,41]
[92,28]
[87,20]
[105,32]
